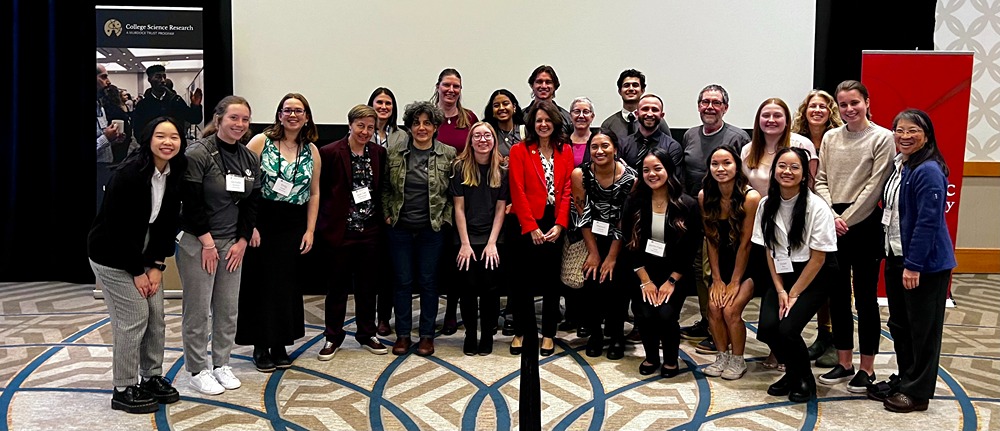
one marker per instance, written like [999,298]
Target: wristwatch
[160,266]
[672,280]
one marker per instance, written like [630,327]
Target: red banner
[936,82]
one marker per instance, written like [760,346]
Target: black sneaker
[859,384]
[837,375]
[882,390]
[706,347]
[134,399]
[696,332]
[161,390]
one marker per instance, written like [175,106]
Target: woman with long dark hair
[728,206]
[662,229]
[480,192]
[271,312]
[540,168]
[384,103]
[600,188]
[503,112]
[856,162]
[131,238]
[919,263]
[796,228]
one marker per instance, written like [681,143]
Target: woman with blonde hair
[817,114]
[480,192]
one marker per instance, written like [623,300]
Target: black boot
[823,341]
[280,358]
[161,390]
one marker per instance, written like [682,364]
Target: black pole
[530,397]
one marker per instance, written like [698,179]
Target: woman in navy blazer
[540,168]
[917,279]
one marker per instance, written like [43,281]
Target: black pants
[541,266]
[859,254]
[604,302]
[386,280]
[478,286]
[659,325]
[916,321]
[784,336]
[353,261]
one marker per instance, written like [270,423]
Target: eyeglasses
[290,111]
[715,103]
[482,136]
[794,167]
[576,112]
[909,132]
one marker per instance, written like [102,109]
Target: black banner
[149,28]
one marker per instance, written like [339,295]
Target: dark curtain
[49,172]
[48,156]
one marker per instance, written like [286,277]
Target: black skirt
[271,312]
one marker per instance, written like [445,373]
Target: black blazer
[119,231]
[680,247]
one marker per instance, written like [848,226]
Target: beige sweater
[853,169]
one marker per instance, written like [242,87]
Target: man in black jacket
[159,100]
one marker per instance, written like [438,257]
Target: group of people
[477,209]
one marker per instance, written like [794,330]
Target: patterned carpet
[55,372]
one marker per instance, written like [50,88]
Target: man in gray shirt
[699,142]
[631,86]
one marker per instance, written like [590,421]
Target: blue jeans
[415,254]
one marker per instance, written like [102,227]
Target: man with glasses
[159,100]
[631,86]
[699,141]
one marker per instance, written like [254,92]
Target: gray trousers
[214,296]
[136,325]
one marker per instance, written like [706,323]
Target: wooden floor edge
[977,260]
[981,169]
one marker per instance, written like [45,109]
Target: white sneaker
[224,375]
[736,368]
[205,383]
[717,367]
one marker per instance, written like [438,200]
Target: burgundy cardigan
[336,186]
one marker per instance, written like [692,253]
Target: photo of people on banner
[149,65]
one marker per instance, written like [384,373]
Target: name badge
[362,195]
[282,187]
[655,247]
[886,216]
[600,228]
[235,183]
[783,265]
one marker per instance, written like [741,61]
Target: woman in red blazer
[540,168]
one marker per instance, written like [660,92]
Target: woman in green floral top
[271,312]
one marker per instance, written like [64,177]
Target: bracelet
[643,284]
[208,248]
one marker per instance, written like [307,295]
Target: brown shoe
[902,403]
[425,347]
[383,328]
[402,346]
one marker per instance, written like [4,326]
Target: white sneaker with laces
[715,369]
[205,383]
[736,368]
[224,375]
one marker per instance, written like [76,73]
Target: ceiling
[138,59]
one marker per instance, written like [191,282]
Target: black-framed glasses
[714,103]
[290,111]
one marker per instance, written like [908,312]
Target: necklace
[770,153]
[659,205]
[505,134]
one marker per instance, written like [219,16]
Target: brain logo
[113,27]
